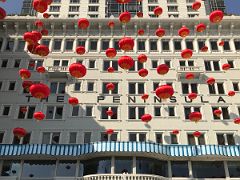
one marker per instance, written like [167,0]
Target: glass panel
[61,88]
[87,137]
[191,139]
[220,139]
[179,168]
[132,137]
[53,87]
[50,110]
[59,113]
[234,168]
[35,169]
[66,168]
[123,165]
[10,168]
[97,166]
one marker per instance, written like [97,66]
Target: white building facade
[71,143]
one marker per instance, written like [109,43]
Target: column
[159,45]
[147,45]
[232,45]
[74,44]
[195,45]
[63,45]
[207,43]
[15,45]
[134,165]
[171,45]
[169,169]
[226,169]
[112,165]
[4,43]
[135,48]
[99,45]
[190,169]
[111,43]
[51,44]
[87,45]
[183,43]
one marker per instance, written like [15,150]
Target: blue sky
[14,6]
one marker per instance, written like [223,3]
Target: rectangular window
[106,91]
[165,45]
[225,139]
[77,86]
[214,45]
[237,44]
[231,63]
[6,110]
[75,110]
[1,137]
[191,139]
[81,42]
[11,86]
[235,86]
[226,46]
[4,63]
[104,114]
[153,45]
[9,45]
[174,139]
[92,64]
[141,45]
[90,86]
[89,111]
[21,46]
[136,88]
[154,63]
[171,111]
[93,45]
[189,44]
[135,112]
[159,138]
[57,43]
[17,63]
[105,44]
[157,111]
[26,112]
[72,138]
[177,45]
[54,112]
[51,138]
[69,45]
[87,137]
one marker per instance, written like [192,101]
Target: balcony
[57,71]
[183,70]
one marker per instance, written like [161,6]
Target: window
[139,137]
[73,8]
[214,45]
[74,1]
[189,44]
[81,42]
[26,112]
[157,111]
[72,138]
[136,88]
[165,45]
[57,87]
[87,137]
[93,45]
[92,64]
[1,85]
[24,140]
[106,137]
[172,8]
[57,43]
[216,88]
[237,44]
[159,138]
[153,45]
[171,111]
[208,169]
[11,168]
[224,115]
[201,44]
[4,63]
[174,139]
[46,42]
[235,86]
[95,166]
[177,45]
[54,112]
[196,140]
[154,63]
[90,86]
[226,46]
[141,45]
[116,46]
[231,63]
[69,45]
[104,113]
[136,66]
[179,169]
[21,45]
[89,111]
[66,168]
[1,137]
[168,63]
[93,1]
[51,138]
[11,86]
[188,110]
[225,139]
[54,9]
[105,44]
[6,110]
[233,168]
[34,64]
[212,65]
[135,112]
[77,86]
[9,45]
[105,91]
[75,110]
[108,63]
[17,63]
[93,8]
[189,87]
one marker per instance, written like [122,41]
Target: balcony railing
[57,68]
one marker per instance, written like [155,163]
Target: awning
[101,147]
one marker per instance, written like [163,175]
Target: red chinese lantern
[2,13]
[111,52]
[40,5]
[175,131]
[197,134]
[231,93]
[19,132]
[126,44]
[83,23]
[73,101]
[39,91]
[237,120]
[196,5]
[42,50]
[110,86]
[32,48]
[195,116]
[109,131]
[23,109]
[77,70]
[216,16]
[37,34]
[39,116]
[143,72]
[26,85]
[164,91]
[210,81]
[221,43]
[123,1]
[183,31]
[38,23]
[140,32]
[24,73]
[125,62]
[30,38]
[140,14]
[41,69]
[160,32]
[192,96]
[80,50]
[158,11]
[162,69]
[186,53]
[46,15]
[31,64]
[204,49]
[226,67]
[144,96]
[109,112]
[146,118]
[125,17]
[111,24]
[110,69]
[217,112]
[49,2]
[44,32]
[201,27]
[142,58]
[189,76]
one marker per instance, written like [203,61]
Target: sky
[14,6]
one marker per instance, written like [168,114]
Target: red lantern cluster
[2,13]
[40,5]
[183,31]
[30,38]
[24,73]
[231,93]
[217,112]
[41,69]
[160,32]
[39,116]
[73,101]
[204,49]
[111,24]
[83,23]
[77,70]
[201,27]
[39,91]
[126,44]
[226,67]
[125,17]
[146,118]
[221,43]
[109,131]
[189,76]
[80,50]
[19,132]
[143,72]
[164,91]
[196,5]
[110,69]
[158,11]
[38,24]
[162,69]
[42,50]
[210,81]
[195,116]
[110,86]
[142,58]
[144,97]
[197,134]
[216,16]
[186,53]
[26,85]
[44,32]
[192,96]
[111,52]
[140,32]
[125,62]
[109,112]
[237,120]
[175,131]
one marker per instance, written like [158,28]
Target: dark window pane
[66,168]
[234,168]
[11,168]
[97,166]
[191,139]
[174,139]
[123,164]
[220,139]
[179,168]
[230,139]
